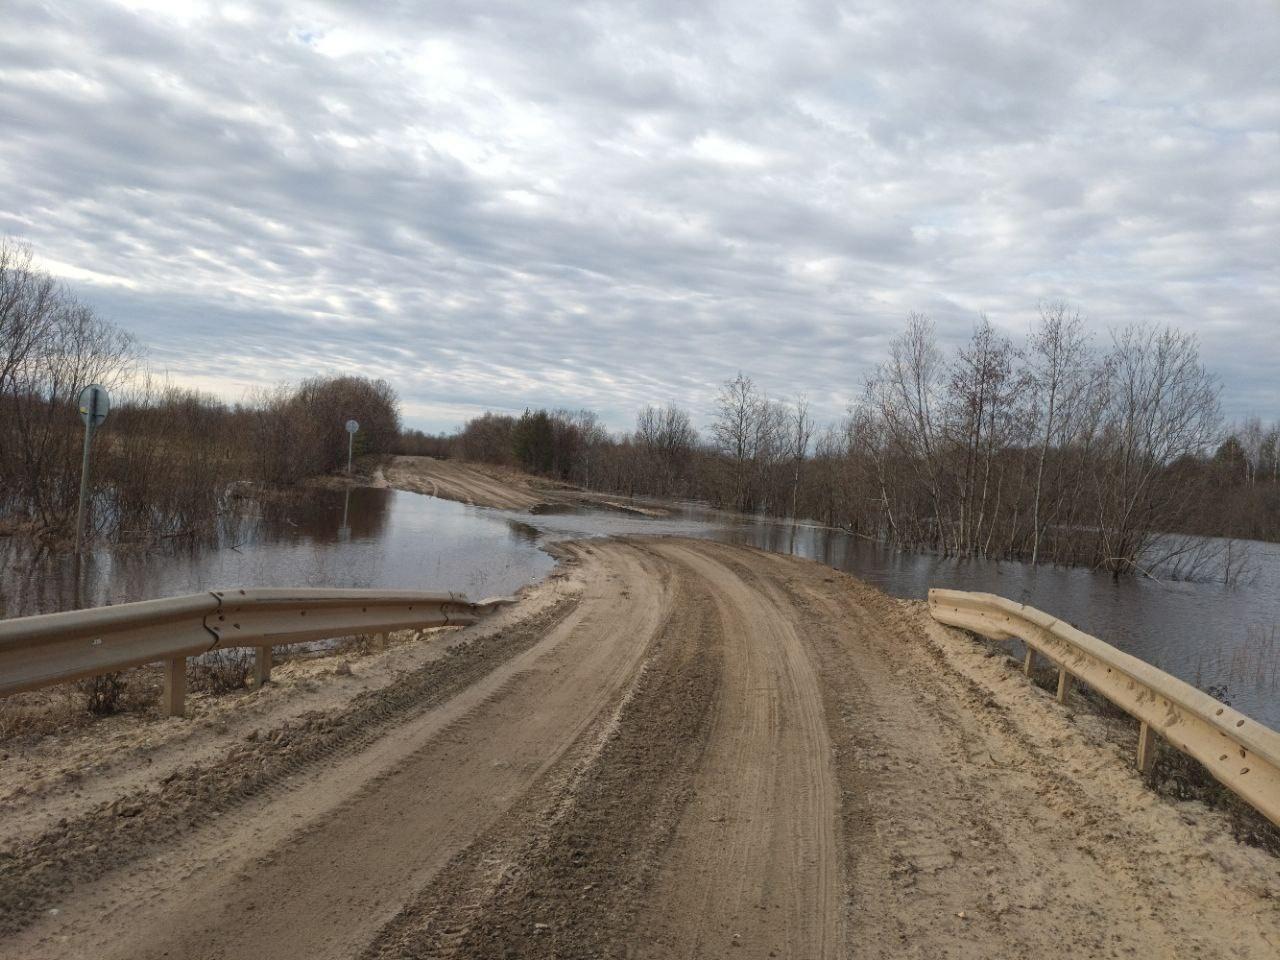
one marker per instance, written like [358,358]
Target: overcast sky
[607,204]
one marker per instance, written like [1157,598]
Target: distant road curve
[454,480]
[483,485]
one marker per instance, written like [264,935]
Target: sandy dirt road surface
[463,482]
[674,749]
[483,485]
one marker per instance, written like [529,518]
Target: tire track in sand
[756,863]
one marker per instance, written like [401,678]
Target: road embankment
[673,748]
[483,485]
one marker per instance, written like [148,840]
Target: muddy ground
[673,748]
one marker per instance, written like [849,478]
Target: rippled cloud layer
[603,204]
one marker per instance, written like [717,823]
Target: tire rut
[563,874]
[756,866]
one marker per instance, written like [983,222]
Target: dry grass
[70,706]
[1179,777]
[362,644]
[220,671]
[103,695]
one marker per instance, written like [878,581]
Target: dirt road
[465,483]
[677,749]
[483,485]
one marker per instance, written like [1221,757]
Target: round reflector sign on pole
[94,405]
[352,427]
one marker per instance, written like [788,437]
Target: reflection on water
[524,531]
[1209,634]
[362,538]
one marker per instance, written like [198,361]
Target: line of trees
[1056,450]
[168,460]
[1059,449]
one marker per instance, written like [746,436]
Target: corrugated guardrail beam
[57,647]
[1240,752]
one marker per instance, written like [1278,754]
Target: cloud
[603,205]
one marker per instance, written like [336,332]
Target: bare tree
[907,394]
[734,431]
[1163,409]
[666,437]
[62,346]
[1059,364]
[28,304]
[769,456]
[1252,440]
[981,389]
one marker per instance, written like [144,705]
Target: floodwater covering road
[670,748]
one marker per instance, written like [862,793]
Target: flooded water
[1224,639]
[1220,638]
[364,538]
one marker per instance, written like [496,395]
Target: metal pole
[351,440]
[84,485]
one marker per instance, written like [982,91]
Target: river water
[1225,639]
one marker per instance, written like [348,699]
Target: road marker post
[352,427]
[94,403]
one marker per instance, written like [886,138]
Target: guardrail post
[1064,684]
[1029,661]
[262,666]
[175,687]
[1146,748]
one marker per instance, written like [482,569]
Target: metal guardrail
[1240,752]
[54,648]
